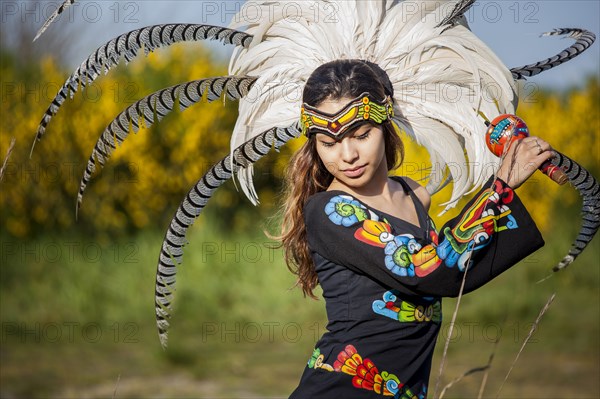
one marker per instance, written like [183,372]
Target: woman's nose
[349,151]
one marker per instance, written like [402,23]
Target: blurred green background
[77,306]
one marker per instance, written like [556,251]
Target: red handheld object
[507,128]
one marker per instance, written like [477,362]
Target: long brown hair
[306,174]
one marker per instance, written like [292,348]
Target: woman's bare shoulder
[420,191]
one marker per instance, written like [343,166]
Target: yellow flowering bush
[144,182]
[571,124]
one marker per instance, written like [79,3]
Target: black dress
[383,278]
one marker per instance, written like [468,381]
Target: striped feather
[158,105]
[66,4]
[128,45]
[589,189]
[192,206]
[584,39]
[458,12]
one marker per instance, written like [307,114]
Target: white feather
[402,38]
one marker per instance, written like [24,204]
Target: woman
[367,240]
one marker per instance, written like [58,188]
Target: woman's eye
[363,136]
[328,143]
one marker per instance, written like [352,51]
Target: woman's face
[359,158]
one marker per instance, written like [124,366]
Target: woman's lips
[355,172]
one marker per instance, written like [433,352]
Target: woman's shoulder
[334,205]
[317,198]
[420,191]
[337,207]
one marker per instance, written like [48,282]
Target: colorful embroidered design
[406,257]
[488,215]
[374,233]
[365,375]
[406,394]
[344,210]
[316,361]
[406,312]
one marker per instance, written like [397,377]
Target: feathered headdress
[446,82]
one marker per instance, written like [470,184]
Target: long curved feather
[128,45]
[192,206]
[459,10]
[66,4]
[589,189]
[585,38]
[157,105]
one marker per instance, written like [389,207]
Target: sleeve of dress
[492,233]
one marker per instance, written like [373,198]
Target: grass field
[78,321]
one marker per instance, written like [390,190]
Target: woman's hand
[522,159]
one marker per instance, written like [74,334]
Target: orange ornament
[503,130]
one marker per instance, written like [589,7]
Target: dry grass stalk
[485,368]
[10,148]
[451,329]
[531,331]
[487,371]
[114,395]
[460,294]
[465,374]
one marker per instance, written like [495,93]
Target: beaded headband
[363,108]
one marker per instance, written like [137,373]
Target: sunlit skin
[358,165]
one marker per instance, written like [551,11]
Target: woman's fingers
[544,151]
[523,158]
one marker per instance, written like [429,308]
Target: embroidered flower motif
[398,253]
[425,260]
[313,358]
[406,312]
[366,375]
[344,210]
[316,361]
[420,313]
[374,233]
